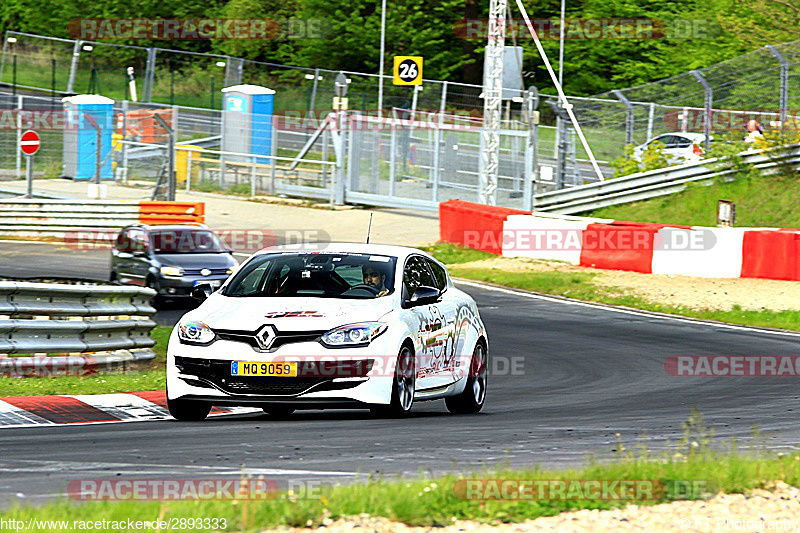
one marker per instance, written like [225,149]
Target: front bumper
[325,376]
[182,286]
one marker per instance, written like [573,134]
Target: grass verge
[767,201]
[693,472]
[152,378]
[579,285]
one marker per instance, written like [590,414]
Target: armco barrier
[44,318]
[460,222]
[768,253]
[56,218]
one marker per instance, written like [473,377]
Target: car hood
[287,314]
[203,260]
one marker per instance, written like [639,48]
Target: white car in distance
[335,326]
[679,147]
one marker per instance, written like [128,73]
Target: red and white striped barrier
[769,253]
[20,411]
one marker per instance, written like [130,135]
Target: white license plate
[213,282]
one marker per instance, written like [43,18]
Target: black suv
[170,259]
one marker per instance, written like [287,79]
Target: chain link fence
[426,162]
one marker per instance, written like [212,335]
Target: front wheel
[188,410]
[472,399]
[403,387]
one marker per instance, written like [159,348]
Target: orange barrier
[172,212]
[771,255]
[143,126]
[477,226]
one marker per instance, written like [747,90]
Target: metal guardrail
[59,218]
[654,183]
[54,318]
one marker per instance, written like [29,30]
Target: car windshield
[322,275]
[186,241]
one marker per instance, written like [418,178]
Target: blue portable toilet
[80,137]
[247,121]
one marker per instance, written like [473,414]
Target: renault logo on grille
[265,336]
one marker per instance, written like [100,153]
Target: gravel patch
[760,510]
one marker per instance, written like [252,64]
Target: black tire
[188,410]
[156,301]
[280,412]
[471,400]
[403,387]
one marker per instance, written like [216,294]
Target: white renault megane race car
[339,326]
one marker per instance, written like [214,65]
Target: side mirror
[201,292]
[424,295]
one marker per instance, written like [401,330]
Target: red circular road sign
[29,142]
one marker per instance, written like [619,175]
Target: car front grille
[285,337]
[312,376]
[196,271]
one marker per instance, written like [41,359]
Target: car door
[140,256]
[427,320]
[443,340]
[121,258]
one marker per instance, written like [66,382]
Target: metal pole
[29,175]
[416,89]
[73,67]
[561,45]
[383,50]
[124,144]
[3,59]
[189,153]
[170,156]
[650,117]
[784,90]
[492,103]
[314,90]
[253,178]
[707,103]
[19,135]
[392,159]
[628,116]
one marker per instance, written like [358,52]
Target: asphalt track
[587,373]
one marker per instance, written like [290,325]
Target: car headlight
[195,332]
[360,334]
[171,271]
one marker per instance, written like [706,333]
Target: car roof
[688,134]
[347,247]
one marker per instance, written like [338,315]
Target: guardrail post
[628,116]
[784,90]
[707,102]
